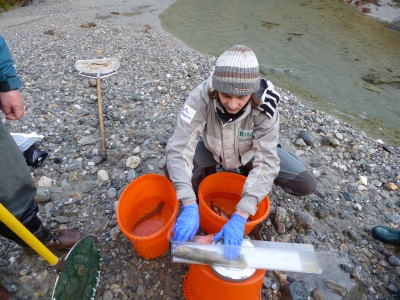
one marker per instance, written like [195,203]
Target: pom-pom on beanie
[237,72]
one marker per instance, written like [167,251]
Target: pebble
[322,213]
[102,176]
[390,186]
[136,150]
[300,143]
[397,270]
[394,260]
[364,180]
[133,162]
[294,290]
[306,137]
[393,288]
[317,294]
[280,215]
[335,143]
[112,193]
[267,282]
[108,295]
[44,182]
[335,287]
[140,290]
[304,219]
[357,206]
[132,174]
[23,272]
[43,194]
[61,219]
[76,165]
[114,232]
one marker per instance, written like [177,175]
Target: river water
[319,50]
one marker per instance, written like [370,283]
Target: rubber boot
[34,225]
[4,293]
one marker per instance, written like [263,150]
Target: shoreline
[385,10]
[358,177]
[350,103]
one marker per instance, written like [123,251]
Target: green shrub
[5,5]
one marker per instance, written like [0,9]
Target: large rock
[294,291]
[395,24]
[382,78]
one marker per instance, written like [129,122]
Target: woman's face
[233,104]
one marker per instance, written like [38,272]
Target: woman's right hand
[187,223]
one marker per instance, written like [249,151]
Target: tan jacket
[254,134]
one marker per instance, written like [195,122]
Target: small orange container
[140,198]
[229,186]
[201,283]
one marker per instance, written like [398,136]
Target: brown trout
[207,257]
[151,214]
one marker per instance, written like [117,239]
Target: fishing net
[81,273]
[99,67]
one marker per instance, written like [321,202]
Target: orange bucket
[222,191]
[146,214]
[201,283]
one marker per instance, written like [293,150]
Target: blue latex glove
[233,232]
[187,223]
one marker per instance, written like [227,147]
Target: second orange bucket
[218,196]
[201,283]
[146,214]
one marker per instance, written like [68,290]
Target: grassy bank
[5,5]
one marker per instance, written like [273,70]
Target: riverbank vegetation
[5,5]
[361,4]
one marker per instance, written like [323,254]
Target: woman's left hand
[233,232]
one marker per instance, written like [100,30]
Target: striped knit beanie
[236,72]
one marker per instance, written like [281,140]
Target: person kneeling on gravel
[231,119]
[17,189]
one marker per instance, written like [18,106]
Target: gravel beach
[358,177]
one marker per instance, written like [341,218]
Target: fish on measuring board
[207,257]
[155,211]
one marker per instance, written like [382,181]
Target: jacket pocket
[245,152]
[215,146]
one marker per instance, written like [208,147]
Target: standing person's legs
[17,189]
[293,176]
[17,194]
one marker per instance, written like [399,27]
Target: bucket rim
[220,218]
